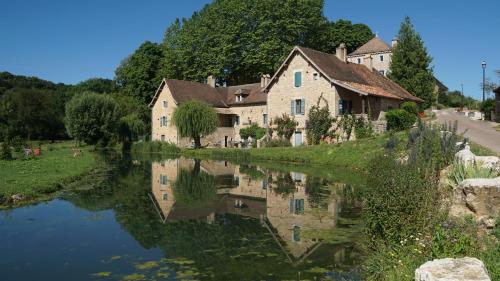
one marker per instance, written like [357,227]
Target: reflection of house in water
[250,192]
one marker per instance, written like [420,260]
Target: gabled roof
[221,97]
[354,77]
[375,45]
[497,90]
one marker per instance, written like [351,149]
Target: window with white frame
[238,98]
[264,119]
[297,107]
[163,179]
[163,121]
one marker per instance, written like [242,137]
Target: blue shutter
[292,206]
[292,108]
[303,107]
[298,79]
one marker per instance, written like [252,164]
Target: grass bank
[34,178]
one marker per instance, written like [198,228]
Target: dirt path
[479,132]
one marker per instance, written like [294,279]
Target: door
[298,138]
[225,141]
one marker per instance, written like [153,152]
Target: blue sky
[69,41]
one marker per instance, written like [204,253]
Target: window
[381,57]
[298,79]
[297,206]
[297,107]
[238,98]
[163,121]
[382,72]
[359,60]
[163,179]
[315,76]
[345,107]
[165,104]
[264,119]
[264,184]
[162,137]
[165,197]
[236,181]
[236,120]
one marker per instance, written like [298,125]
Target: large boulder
[465,156]
[477,197]
[464,269]
[490,162]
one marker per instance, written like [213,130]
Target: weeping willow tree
[195,119]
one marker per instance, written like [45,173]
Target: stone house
[304,77]
[375,53]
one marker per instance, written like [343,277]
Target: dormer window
[359,61]
[239,98]
[315,76]
[381,57]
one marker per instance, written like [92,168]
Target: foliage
[399,119]
[130,127]
[347,124]
[92,118]
[319,123]
[45,174]
[459,172]
[159,147]
[455,99]
[277,143]
[96,85]
[5,151]
[138,75]
[195,119]
[410,64]
[253,131]
[410,107]
[487,107]
[363,128]
[194,188]
[285,126]
[192,51]
[399,202]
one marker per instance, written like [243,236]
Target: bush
[487,107]
[363,128]
[253,131]
[285,126]
[410,107]
[277,143]
[155,147]
[5,152]
[399,119]
[319,123]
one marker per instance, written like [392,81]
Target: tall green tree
[96,85]
[138,75]
[92,118]
[195,119]
[332,34]
[410,66]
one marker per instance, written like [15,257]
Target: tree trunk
[197,142]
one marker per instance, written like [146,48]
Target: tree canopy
[195,119]
[410,66]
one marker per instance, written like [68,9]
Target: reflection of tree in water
[285,185]
[252,171]
[194,188]
[317,192]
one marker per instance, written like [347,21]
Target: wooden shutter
[292,108]
[298,79]
[303,107]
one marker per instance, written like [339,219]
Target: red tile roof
[375,45]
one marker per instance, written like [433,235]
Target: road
[480,132]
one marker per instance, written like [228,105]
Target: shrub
[410,107]
[155,147]
[399,119]
[363,128]
[277,143]
[460,173]
[398,201]
[487,107]
[5,152]
[319,122]
[253,131]
[285,126]
[347,123]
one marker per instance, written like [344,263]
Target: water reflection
[289,205]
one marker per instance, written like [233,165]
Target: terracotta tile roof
[374,91]
[375,45]
[356,74]
[221,97]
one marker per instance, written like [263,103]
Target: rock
[490,162]
[466,157]
[464,269]
[16,198]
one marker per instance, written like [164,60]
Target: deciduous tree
[195,119]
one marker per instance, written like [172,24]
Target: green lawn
[32,178]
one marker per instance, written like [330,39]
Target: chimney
[341,52]
[394,42]
[368,62]
[264,80]
[211,81]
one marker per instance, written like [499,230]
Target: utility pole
[463,97]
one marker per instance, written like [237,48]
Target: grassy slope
[45,174]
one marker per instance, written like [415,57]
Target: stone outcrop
[466,157]
[464,269]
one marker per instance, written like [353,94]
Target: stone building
[375,54]
[304,77]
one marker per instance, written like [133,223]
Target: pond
[185,219]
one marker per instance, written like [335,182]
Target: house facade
[305,77]
[375,54]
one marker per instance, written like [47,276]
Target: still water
[185,219]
